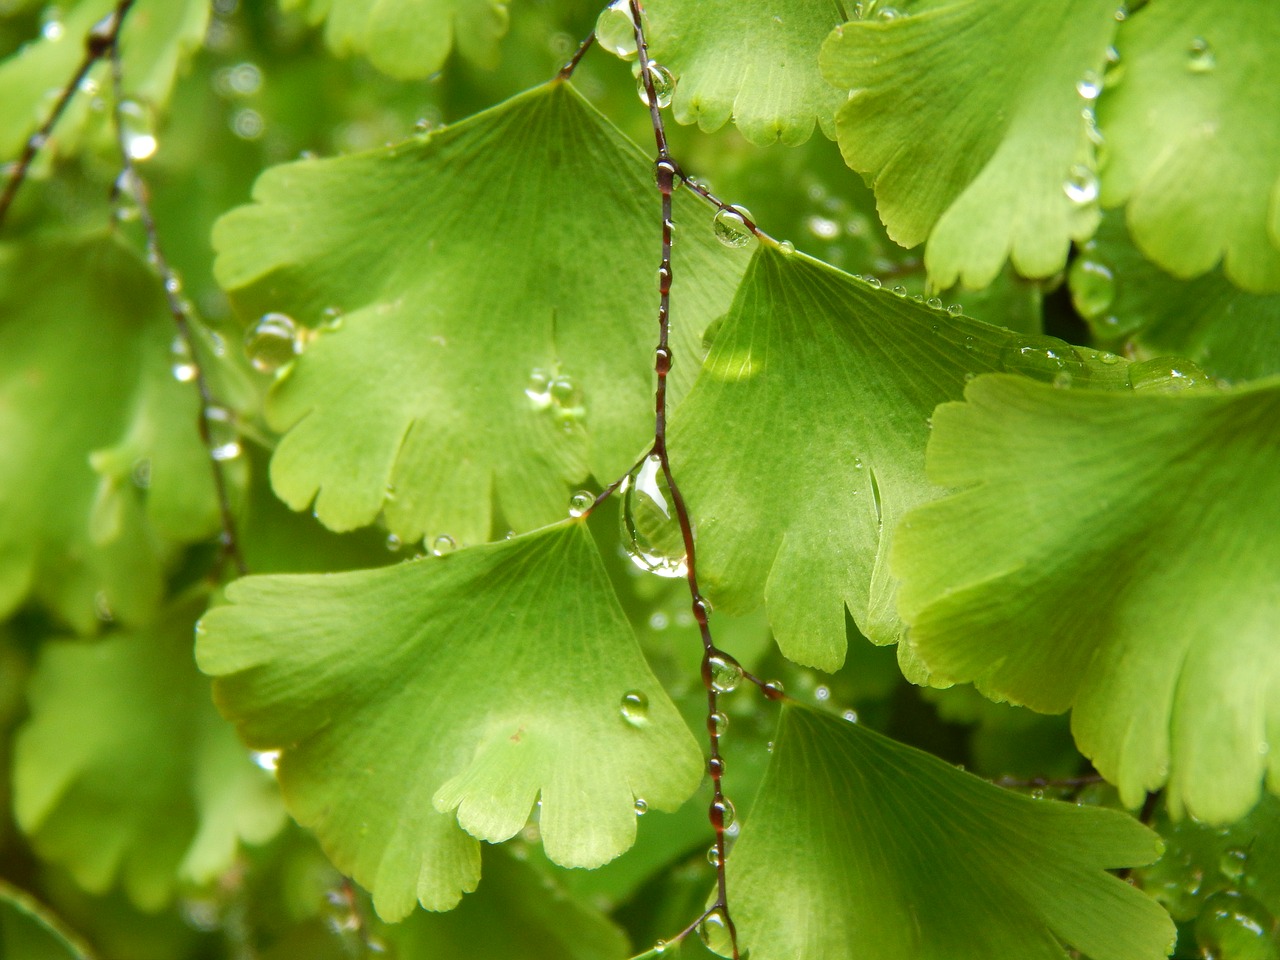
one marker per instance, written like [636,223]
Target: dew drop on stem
[725,673]
[730,228]
[224,438]
[713,931]
[580,503]
[664,84]
[650,529]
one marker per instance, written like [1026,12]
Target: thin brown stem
[668,178]
[567,70]
[230,542]
[102,38]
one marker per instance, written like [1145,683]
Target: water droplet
[268,760]
[658,621]
[650,531]
[664,84]
[873,282]
[641,807]
[566,400]
[713,930]
[1090,85]
[1234,926]
[1037,793]
[666,177]
[272,342]
[786,248]
[580,503]
[393,543]
[616,31]
[715,768]
[1232,863]
[51,26]
[713,855]
[126,197]
[247,124]
[539,389]
[141,473]
[635,708]
[1041,357]
[1166,375]
[1081,185]
[717,723]
[182,366]
[102,607]
[725,673]
[224,438]
[730,228]
[721,813]
[443,545]
[773,690]
[137,130]
[899,291]
[851,716]
[702,609]
[934,303]
[1093,287]
[888,13]
[1200,58]
[822,694]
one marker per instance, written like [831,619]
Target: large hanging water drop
[616,31]
[650,531]
[714,932]
[1234,926]
[664,84]
[725,673]
[272,342]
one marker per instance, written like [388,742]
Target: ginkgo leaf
[755,63]
[1115,553]
[473,682]
[101,464]
[896,855]
[156,40]
[1229,332]
[966,115]
[410,38]
[447,388]
[125,774]
[846,376]
[28,931]
[1193,139]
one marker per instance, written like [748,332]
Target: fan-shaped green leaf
[101,465]
[892,854]
[755,63]
[1229,332]
[1193,139]
[846,377]
[422,403]
[1115,553]
[125,773]
[410,38]
[967,115]
[156,40]
[472,682]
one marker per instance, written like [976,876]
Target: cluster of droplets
[1043,358]
[558,394]
[651,533]
[238,84]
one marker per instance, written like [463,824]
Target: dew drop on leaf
[726,673]
[580,503]
[616,31]
[1234,926]
[1232,863]
[538,390]
[1200,58]
[272,342]
[1166,375]
[443,545]
[224,439]
[786,248]
[664,84]
[635,708]
[1089,85]
[900,291]
[641,807]
[730,228]
[650,531]
[1081,185]
[566,399]
[393,543]
[1041,357]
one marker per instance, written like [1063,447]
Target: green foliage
[1005,501]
